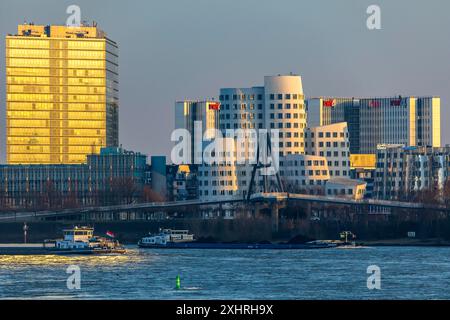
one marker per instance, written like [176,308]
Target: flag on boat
[110,234]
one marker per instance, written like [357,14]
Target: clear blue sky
[172,50]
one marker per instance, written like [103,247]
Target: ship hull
[194,245]
[85,251]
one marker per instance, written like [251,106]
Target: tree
[50,194]
[149,195]
[2,198]
[446,193]
[122,190]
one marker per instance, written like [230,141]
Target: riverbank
[406,242]
[22,249]
[249,230]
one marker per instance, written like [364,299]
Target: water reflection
[20,261]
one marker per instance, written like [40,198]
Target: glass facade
[62,94]
[25,185]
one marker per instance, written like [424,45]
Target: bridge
[273,201]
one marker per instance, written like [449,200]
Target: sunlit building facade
[62,94]
[412,121]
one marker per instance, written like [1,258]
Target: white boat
[164,237]
[81,240]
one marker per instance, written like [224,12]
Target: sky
[188,49]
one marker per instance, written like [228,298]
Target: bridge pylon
[264,155]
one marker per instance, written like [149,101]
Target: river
[405,273]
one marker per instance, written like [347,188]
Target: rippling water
[406,273]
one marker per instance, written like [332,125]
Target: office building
[206,113]
[411,121]
[61,94]
[403,172]
[362,167]
[113,176]
[306,174]
[159,175]
[332,142]
[279,104]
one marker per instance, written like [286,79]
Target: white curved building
[278,105]
[285,110]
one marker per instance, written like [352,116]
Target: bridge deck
[258,197]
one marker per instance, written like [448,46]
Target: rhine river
[406,273]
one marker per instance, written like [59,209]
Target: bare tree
[150,195]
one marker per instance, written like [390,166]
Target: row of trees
[117,191]
[432,196]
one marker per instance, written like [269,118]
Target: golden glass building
[61,94]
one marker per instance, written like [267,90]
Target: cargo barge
[76,241]
[181,239]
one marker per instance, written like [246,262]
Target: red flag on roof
[214,106]
[329,103]
[396,102]
[374,103]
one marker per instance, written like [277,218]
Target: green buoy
[178,283]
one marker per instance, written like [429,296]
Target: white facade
[332,142]
[346,188]
[304,173]
[219,180]
[279,104]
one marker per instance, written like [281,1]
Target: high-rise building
[61,94]
[206,113]
[412,121]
